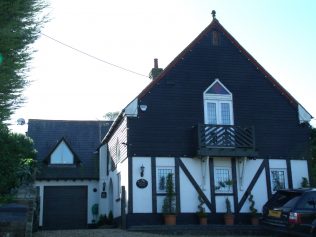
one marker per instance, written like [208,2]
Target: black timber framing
[289,173]
[177,186]
[130,184]
[212,184]
[235,191]
[195,185]
[153,186]
[251,185]
[268,182]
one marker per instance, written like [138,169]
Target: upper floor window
[62,155]
[218,104]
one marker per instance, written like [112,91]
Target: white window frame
[273,189]
[218,99]
[217,179]
[62,155]
[158,177]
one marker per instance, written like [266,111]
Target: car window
[308,202]
[291,202]
[281,198]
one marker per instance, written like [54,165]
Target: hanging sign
[142,183]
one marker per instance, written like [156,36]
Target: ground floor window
[278,179]
[223,180]
[162,173]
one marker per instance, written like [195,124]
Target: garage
[65,207]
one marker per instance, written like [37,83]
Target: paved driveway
[103,233]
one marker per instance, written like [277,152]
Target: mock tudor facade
[214,114]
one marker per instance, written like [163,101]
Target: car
[291,212]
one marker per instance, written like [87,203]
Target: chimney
[154,73]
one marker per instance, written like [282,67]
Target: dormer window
[62,155]
[218,104]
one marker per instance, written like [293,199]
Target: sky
[66,84]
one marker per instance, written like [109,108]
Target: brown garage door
[65,207]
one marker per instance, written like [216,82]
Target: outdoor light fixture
[142,170]
[143,107]
[103,186]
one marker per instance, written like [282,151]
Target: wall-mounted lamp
[103,186]
[142,170]
[143,107]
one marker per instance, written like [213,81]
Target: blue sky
[280,35]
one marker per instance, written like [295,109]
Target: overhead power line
[91,56]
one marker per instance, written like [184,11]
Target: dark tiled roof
[83,137]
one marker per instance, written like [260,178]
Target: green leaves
[16,160]
[19,28]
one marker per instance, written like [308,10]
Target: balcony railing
[225,140]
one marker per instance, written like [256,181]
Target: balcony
[226,140]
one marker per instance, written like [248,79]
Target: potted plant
[253,211]
[169,203]
[228,217]
[201,212]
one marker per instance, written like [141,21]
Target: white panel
[165,161]
[245,176]
[188,194]
[303,115]
[142,197]
[221,203]
[222,161]
[277,164]
[259,193]
[299,170]
[92,196]
[131,109]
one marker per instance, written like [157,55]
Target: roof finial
[214,14]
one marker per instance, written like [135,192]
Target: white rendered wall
[163,162]
[92,196]
[299,170]
[199,169]
[142,197]
[102,178]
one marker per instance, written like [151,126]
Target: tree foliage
[20,26]
[111,116]
[16,159]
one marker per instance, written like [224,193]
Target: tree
[20,26]
[16,159]
[111,116]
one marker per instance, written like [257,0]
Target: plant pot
[170,219]
[203,220]
[254,220]
[229,219]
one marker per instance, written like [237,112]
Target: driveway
[104,233]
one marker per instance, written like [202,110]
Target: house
[214,114]
[68,177]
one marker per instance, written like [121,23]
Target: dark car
[291,211]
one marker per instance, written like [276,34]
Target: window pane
[221,177]
[211,113]
[162,174]
[225,113]
[278,179]
[217,88]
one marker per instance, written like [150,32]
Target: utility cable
[94,57]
